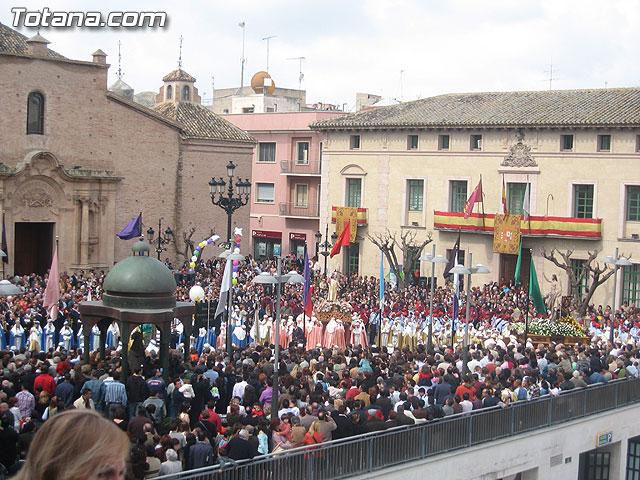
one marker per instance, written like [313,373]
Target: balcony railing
[583,228]
[292,167]
[363,454]
[311,210]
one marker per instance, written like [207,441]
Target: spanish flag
[475,197]
[343,240]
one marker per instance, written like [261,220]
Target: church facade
[80,161]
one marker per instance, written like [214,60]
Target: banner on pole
[344,215]
[506,234]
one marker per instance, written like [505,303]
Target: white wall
[530,452]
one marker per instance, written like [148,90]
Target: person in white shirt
[238,388]
[466,404]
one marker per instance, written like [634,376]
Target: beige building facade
[412,167]
[79,162]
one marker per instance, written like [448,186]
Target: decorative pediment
[353,169]
[519,154]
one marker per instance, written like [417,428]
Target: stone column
[125,333]
[165,336]
[103,338]
[84,235]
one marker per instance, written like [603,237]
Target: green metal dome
[140,281]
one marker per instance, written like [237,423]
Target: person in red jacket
[467,386]
[45,380]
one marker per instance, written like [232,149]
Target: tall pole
[433,278]
[465,358]
[615,284]
[276,354]
[159,235]
[241,25]
[229,345]
[267,40]
[326,241]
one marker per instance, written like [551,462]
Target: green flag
[518,264]
[534,290]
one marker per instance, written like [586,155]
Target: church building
[79,160]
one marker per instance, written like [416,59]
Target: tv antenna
[242,60]
[551,77]
[300,75]
[267,40]
[119,73]
[180,53]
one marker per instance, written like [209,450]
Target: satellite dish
[262,82]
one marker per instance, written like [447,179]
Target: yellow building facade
[412,166]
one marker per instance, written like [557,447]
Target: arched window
[35,114]
[169,91]
[185,93]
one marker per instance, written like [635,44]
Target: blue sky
[354,46]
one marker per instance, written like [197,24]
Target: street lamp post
[168,235]
[278,280]
[229,203]
[326,246]
[318,240]
[617,262]
[468,271]
[433,259]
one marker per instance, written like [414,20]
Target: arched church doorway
[33,247]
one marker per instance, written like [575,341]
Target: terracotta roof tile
[14,42]
[604,107]
[200,122]
[178,76]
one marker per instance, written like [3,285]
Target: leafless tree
[592,273]
[186,250]
[410,250]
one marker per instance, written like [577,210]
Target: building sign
[506,234]
[298,237]
[266,234]
[604,438]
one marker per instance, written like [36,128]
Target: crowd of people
[361,371]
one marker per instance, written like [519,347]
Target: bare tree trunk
[410,252]
[592,269]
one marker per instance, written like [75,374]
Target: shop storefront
[266,243]
[296,243]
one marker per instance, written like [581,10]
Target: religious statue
[553,297]
[333,289]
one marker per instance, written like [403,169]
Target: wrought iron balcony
[293,167]
[311,210]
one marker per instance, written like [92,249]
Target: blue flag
[132,230]
[308,306]
[381,279]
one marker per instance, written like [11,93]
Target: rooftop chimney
[99,57]
[37,45]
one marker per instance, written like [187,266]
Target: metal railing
[293,210]
[378,450]
[297,168]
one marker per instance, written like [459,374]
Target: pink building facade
[286,170]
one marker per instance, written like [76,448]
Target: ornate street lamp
[160,241]
[278,279]
[234,199]
[617,262]
[468,271]
[433,258]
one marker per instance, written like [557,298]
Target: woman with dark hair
[279,440]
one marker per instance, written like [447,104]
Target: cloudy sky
[400,49]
